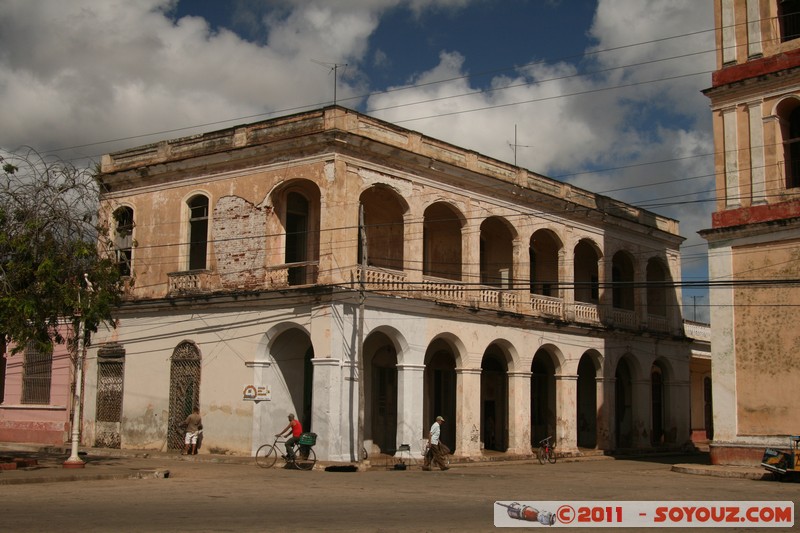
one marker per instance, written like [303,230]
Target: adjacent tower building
[754,241]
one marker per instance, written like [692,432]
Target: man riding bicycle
[295,429]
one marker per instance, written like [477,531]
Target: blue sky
[604,94]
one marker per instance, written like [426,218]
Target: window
[198,232]
[37,367]
[789,18]
[123,239]
[297,212]
[791,145]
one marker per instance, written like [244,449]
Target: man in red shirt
[295,429]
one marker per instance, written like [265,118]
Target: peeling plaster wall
[767,339]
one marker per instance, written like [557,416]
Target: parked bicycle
[546,451]
[302,455]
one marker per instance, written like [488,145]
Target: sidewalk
[38,464]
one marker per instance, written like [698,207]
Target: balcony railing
[547,306]
[586,313]
[292,274]
[382,280]
[189,282]
[396,283]
[624,318]
[657,323]
[444,290]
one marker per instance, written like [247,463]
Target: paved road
[202,497]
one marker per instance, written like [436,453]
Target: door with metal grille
[109,402]
[184,390]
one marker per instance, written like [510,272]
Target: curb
[730,472]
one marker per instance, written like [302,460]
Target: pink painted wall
[39,424]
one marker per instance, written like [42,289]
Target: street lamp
[74,461]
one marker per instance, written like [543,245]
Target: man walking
[436,449]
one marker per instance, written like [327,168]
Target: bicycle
[546,451]
[302,456]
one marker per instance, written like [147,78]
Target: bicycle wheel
[551,455]
[303,461]
[540,454]
[266,456]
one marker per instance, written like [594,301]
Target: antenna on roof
[334,67]
[515,145]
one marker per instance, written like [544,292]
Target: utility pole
[360,348]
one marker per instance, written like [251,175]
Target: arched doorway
[184,390]
[662,428]
[440,390]
[543,397]
[292,352]
[587,403]
[381,388]
[624,405]
[494,400]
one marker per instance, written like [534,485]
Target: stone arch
[662,427]
[442,357]
[494,397]
[623,277]
[586,271]
[291,352]
[589,369]
[442,240]
[384,211]
[544,251]
[788,113]
[380,389]
[497,252]
[659,288]
[625,373]
[297,206]
[544,410]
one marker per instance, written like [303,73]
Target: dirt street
[200,497]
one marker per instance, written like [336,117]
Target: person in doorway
[436,448]
[295,429]
[194,425]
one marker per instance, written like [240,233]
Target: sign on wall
[256,393]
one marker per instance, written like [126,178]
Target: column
[566,413]
[410,394]
[468,411]
[333,444]
[606,413]
[471,253]
[758,172]
[413,248]
[729,130]
[519,413]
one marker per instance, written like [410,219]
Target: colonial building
[754,240]
[266,259]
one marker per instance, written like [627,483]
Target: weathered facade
[754,241]
[514,305]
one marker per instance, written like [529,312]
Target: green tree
[56,261]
